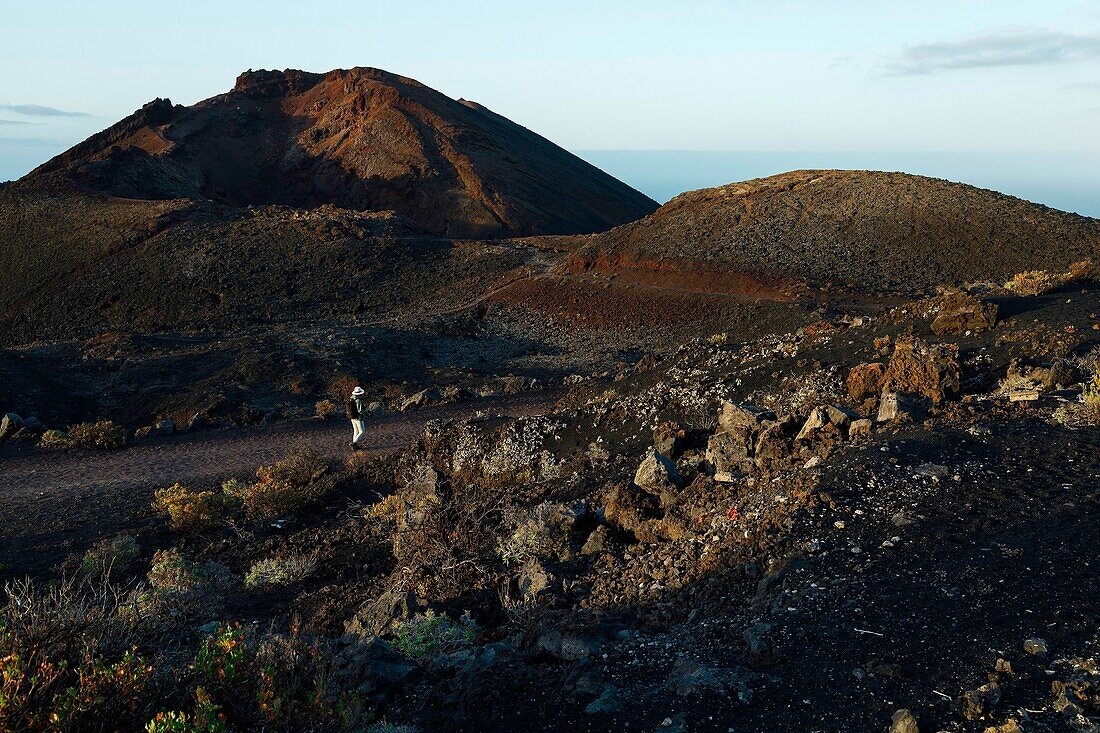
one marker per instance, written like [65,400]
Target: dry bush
[1033,282]
[1091,395]
[190,512]
[449,533]
[281,571]
[326,409]
[101,435]
[1040,282]
[65,662]
[340,386]
[1078,272]
[287,485]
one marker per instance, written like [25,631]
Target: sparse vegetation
[101,435]
[1091,395]
[1040,282]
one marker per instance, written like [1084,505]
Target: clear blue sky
[850,80]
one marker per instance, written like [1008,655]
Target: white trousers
[357,429]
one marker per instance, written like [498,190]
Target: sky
[667,96]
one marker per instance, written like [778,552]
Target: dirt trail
[53,503]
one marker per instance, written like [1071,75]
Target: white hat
[357,391]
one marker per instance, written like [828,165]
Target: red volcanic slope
[360,139]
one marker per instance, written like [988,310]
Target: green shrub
[180,589]
[109,558]
[280,571]
[190,511]
[427,635]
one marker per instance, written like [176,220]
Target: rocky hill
[362,139]
[294,194]
[860,229]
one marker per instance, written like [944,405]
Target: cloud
[15,122]
[1086,85]
[38,110]
[1032,48]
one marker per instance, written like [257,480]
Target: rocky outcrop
[920,368]
[958,312]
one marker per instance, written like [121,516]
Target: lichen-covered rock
[728,454]
[859,429]
[657,474]
[919,368]
[865,380]
[958,312]
[669,438]
[9,424]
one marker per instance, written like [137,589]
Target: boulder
[597,541]
[657,474]
[567,646]
[895,407]
[903,721]
[629,508]
[33,423]
[535,583]
[165,427]
[815,422]
[973,704]
[919,368]
[865,380]
[840,416]
[824,416]
[375,618]
[859,429]
[728,454]
[958,312]
[1023,375]
[197,421]
[759,653]
[773,444]
[9,424]
[668,439]
[1036,646]
[734,418]
[689,678]
[423,398]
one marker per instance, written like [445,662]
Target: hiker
[356,409]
